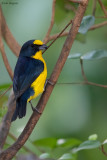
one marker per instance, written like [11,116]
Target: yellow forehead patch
[38,42]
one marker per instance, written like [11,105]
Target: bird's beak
[43,47]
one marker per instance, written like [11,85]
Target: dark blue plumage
[21,102]
[28,49]
[26,71]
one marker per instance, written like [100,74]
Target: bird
[30,75]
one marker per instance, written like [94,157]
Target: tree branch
[94,7]
[86,80]
[12,43]
[103,7]
[85,83]
[98,25]
[6,121]
[14,138]
[101,17]
[14,46]
[103,151]
[12,150]
[56,35]
[82,70]
[95,84]
[66,33]
[52,22]
[12,111]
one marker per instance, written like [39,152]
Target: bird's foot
[34,109]
[48,81]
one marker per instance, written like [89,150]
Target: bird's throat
[38,55]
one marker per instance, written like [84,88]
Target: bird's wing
[26,71]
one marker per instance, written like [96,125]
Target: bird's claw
[34,109]
[48,81]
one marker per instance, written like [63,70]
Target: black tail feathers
[20,110]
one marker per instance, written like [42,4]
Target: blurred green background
[72,110]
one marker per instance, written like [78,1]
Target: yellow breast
[38,84]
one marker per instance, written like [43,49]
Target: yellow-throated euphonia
[29,75]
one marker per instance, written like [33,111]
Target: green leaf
[58,152]
[44,156]
[56,147]
[88,145]
[64,146]
[69,142]
[95,54]
[46,142]
[105,142]
[54,142]
[86,23]
[93,137]
[67,156]
[74,56]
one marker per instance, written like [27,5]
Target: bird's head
[29,48]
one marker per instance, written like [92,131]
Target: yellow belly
[38,84]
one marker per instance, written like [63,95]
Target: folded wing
[26,72]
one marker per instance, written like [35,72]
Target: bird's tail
[20,110]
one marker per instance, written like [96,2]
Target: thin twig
[101,17]
[98,25]
[12,150]
[6,91]
[59,34]
[14,138]
[82,70]
[96,84]
[103,151]
[103,7]
[84,83]
[94,7]
[56,35]
[66,33]
[52,22]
